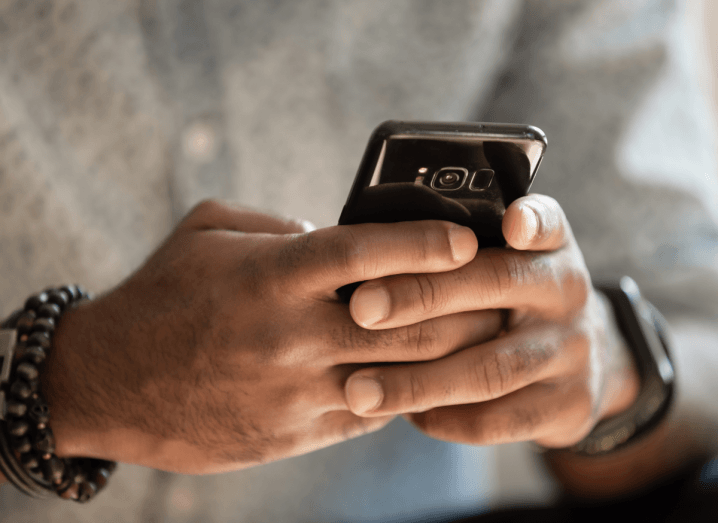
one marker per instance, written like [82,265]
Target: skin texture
[557,368]
[229,348]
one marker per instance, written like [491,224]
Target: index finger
[326,259]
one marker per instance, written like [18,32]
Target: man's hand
[558,367]
[228,348]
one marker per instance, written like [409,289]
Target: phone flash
[423,170]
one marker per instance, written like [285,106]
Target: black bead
[27,371]
[21,445]
[34,354]
[88,489]
[58,297]
[39,412]
[46,325]
[49,310]
[16,408]
[25,322]
[21,390]
[44,441]
[39,338]
[53,469]
[29,461]
[34,302]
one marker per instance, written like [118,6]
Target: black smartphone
[467,173]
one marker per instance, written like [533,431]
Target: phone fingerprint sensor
[481,180]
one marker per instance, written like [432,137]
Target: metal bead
[49,310]
[34,354]
[71,492]
[27,371]
[53,469]
[58,297]
[44,441]
[46,325]
[88,489]
[21,445]
[39,413]
[21,390]
[34,302]
[16,408]
[40,339]
[29,461]
[18,427]
[25,322]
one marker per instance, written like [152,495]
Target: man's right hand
[229,347]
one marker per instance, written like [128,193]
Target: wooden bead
[102,475]
[29,461]
[44,441]
[49,310]
[53,469]
[18,427]
[41,339]
[25,322]
[16,408]
[34,302]
[21,445]
[71,492]
[88,489]
[21,390]
[46,325]
[27,371]
[34,354]
[58,297]
[71,291]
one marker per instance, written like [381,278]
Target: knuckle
[417,389]
[430,296]
[207,208]
[522,422]
[351,255]
[421,339]
[492,375]
[504,272]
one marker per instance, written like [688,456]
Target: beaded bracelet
[27,444]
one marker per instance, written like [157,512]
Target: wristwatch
[645,332]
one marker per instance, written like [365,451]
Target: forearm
[688,434]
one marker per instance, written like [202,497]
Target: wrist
[621,380]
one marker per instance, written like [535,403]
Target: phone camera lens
[449,178]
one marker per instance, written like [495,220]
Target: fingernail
[530,225]
[370,304]
[462,241]
[364,394]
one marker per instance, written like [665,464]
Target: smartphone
[467,173]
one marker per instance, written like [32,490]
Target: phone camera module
[449,178]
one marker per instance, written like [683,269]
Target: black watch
[645,332]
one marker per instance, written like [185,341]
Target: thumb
[536,223]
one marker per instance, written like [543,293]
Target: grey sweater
[117,117]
